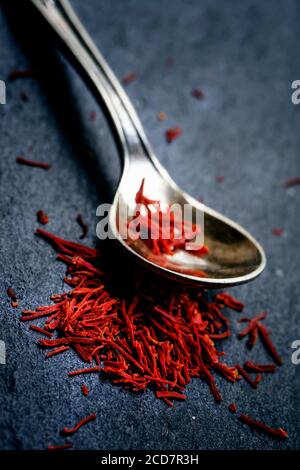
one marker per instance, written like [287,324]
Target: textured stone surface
[243,55]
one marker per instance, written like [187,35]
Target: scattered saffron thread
[246,376]
[13,296]
[85,390]
[66,446]
[42,331]
[229,301]
[161,116]
[172,134]
[129,78]
[21,73]
[278,232]
[268,344]
[258,378]
[269,368]
[82,422]
[89,370]
[170,394]
[198,94]
[56,351]
[34,163]
[232,408]
[254,329]
[259,426]
[42,217]
[220,179]
[292,182]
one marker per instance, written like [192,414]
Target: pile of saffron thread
[161,237]
[144,337]
[155,339]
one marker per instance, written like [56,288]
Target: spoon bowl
[234,256]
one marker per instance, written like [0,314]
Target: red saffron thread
[42,217]
[25,161]
[82,422]
[161,116]
[258,378]
[167,394]
[269,368]
[229,301]
[232,407]
[172,134]
[129,78]
[42,331]
[278,232]
[21,73]
[89,370]
[68,445]
[279,433]
[220,179]
[251,329]
[268,344]
[85,390]
[198,94]
[292,182]
[246,376]
[13,296]
[56,351]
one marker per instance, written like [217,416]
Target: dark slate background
[244,56]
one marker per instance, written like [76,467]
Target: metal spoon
[234,255]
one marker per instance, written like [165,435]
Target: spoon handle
[84,54]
